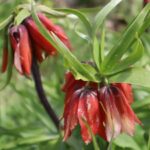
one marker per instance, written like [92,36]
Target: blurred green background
[24,125]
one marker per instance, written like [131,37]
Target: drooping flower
[55,29]
[119,116]
[20,43]
[39,39]
[27,41]
[106,110]
[83,106]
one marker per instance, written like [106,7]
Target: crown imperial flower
[39,39]
[26,41]
[83,106]
[119,116]
[106,110]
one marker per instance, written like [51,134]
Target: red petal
[55,28]
[14,37]
[38,53]
[146,1]
[38,38]
[112,118]
[83,115]
[128,118]
[71,85]
[127,90]
[17,60]
[69,81]
[93,111]
[14,40]
[62,36]
[25,49]
[70,114]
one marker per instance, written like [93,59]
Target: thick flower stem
[41,93]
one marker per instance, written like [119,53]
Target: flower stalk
[41,93]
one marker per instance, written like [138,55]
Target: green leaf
[136,76]
[6,22]
[82,35]
[37,139]
[81,16]
[146,24]
[53,13]
[95,143]
[100,17]
[89,68]
[125,141]
[4,131]
[28,141]
[64,51]
[136,54]
[83,72]
[126,40]
[10,65]
[24,13]
[77,75]
[96,53]
[102,43]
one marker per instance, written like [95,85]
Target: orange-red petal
[38,38]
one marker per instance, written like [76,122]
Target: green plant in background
[106,78]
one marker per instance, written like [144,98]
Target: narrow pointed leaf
[54,13]
[126,142]
[100,17]
[10,67]
[28,141]
[6,22]
[74,62]
[136,76]
[63,50]
[96,53]
[102,43]
[81,16]
[127,39]
[24,13]
[137,53]
[95,143]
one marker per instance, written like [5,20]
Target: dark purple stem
[42,96]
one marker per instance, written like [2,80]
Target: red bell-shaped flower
[20,43]
[39,39]
[106,110]
[119,116]
[55,29]
[83,106]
